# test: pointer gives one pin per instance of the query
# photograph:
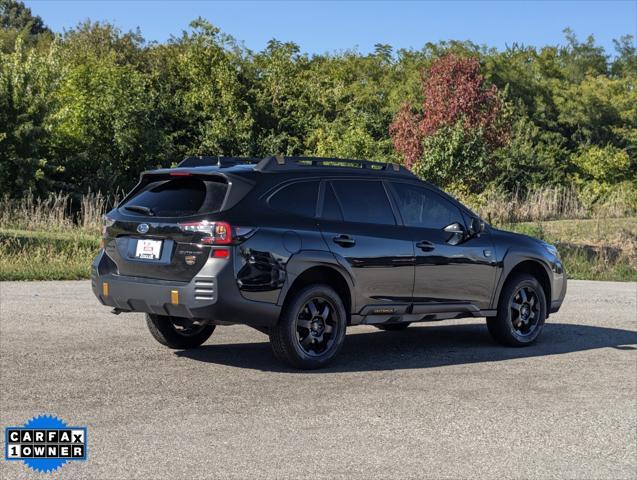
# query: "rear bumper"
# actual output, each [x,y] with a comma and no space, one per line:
[200,298]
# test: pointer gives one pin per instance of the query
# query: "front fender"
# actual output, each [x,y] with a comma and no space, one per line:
[510,260]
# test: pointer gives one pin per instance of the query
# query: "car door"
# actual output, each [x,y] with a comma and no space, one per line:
[451,268]
[359,224]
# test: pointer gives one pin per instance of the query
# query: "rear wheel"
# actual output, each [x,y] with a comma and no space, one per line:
[393,327]
[311,329]
[521,312]
[178,333]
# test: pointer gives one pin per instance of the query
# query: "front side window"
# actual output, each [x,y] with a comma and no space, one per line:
[298,198]
[364,201]
[421,207]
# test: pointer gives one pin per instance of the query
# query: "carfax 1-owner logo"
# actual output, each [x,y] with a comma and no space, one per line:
[45,443]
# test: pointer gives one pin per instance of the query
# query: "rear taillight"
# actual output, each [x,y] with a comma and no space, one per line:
[213,233]
[106,222]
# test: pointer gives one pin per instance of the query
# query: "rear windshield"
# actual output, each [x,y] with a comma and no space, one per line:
[178,198]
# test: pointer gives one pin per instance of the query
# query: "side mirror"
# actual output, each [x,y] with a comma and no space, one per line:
[456,233]
[476,227]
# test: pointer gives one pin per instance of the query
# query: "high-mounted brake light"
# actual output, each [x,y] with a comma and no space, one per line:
[180,174]
[214,233]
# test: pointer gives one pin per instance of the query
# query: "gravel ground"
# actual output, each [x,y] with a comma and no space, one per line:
[435,401]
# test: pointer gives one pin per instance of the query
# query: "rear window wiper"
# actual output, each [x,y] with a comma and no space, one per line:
[139,209]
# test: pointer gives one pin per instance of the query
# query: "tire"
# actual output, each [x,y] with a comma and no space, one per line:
[311,329]
[393,327]
[177,333]
[521,312]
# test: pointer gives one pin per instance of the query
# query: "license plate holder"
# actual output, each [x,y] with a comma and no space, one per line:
[148,249]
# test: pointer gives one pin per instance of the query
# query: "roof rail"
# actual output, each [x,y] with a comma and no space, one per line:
[281,163]
[213,161]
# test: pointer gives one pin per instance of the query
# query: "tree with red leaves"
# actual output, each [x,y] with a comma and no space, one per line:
[462,122]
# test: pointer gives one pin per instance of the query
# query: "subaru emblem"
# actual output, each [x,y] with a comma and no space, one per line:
[142,228]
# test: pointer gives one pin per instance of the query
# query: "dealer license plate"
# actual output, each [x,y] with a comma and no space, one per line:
[148,249]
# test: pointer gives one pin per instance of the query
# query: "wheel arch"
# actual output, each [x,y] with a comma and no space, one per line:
[532,267]
[307,272]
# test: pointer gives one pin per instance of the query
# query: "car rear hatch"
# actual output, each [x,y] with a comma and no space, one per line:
[171,223]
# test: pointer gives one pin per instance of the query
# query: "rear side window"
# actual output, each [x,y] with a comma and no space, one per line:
[298,199]
[364,201]
[331,208]
[423,208]
[178,198]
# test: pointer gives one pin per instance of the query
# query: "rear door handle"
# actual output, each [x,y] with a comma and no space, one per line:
[425,245]
[344,241]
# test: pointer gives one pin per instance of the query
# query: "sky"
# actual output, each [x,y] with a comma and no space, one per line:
[330,26]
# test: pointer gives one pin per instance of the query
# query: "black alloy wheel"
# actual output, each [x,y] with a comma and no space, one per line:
[311,329]
[525,311]
[315,326]
[522,310]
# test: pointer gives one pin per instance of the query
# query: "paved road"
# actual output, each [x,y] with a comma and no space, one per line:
[435,401]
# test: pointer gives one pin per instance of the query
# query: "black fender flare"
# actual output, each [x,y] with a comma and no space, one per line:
[307,259]
[512,259]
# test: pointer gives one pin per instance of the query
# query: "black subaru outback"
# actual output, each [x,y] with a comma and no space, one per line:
[302,248]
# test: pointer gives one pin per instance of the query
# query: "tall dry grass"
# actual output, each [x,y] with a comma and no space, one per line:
[56,212]
[548,203]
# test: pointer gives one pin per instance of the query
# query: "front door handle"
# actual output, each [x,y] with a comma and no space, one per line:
[344,241]
[425,245]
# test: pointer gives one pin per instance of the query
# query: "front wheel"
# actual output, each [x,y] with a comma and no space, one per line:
[311,329]
[521,312]
[178,333]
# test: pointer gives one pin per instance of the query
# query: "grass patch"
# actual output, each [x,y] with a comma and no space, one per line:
[587,231]
[592,249]
[582,264]
[37,255]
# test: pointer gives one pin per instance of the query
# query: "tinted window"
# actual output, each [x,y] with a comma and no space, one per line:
[424,208]
[331,208]
[298,198]
[179,197]
[364,201]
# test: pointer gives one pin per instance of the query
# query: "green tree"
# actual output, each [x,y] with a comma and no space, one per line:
[582,58]
[28,80]
[93,107]
[103,131]
[17,21]
[208,109]
[282,107]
